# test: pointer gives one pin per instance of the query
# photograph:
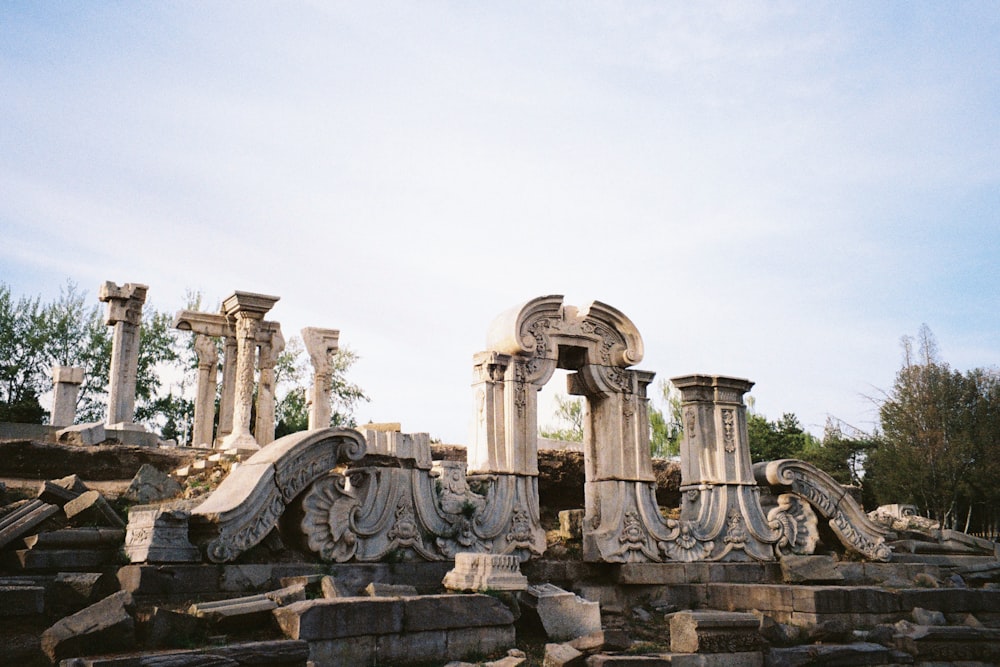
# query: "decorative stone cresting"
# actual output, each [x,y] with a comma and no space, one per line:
[847,519]
[248,503]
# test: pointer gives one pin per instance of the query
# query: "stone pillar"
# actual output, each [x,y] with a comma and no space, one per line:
[247,311]
[125,314]
[67,381]
[272,344]
[204,403]
[320,344]
[228,397]
[489,440]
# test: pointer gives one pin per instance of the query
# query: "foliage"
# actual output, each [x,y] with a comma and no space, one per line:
[23,359]
[772,440]
[841,453]
[940,435]
[292,370]
[569,417]
[666,427]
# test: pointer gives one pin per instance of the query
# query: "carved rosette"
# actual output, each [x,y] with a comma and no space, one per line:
[845,516]
[248,503]
[798,524]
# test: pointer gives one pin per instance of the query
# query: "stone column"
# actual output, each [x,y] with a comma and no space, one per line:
[204,403]
[272,344]
[67,380]
[228,397]
[125,314]
[320,344]
[247,310]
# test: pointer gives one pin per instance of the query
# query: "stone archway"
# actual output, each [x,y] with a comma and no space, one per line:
[598,345]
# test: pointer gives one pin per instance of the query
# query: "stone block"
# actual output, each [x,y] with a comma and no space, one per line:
[165,628]
[714,632]
[479,572]
[340,652]
[91,506]
[245,578]
[331,588]
[923,616]
[159,535]
[380,590]
[441,612]
[77,538]
[24,519]
[103,627]
[412,647]
[605,660]
[651,573]
[345,617]
[949,643]
[70,592]
[810,570]
[562,614]
[169,579]
[61,491]
[66,559]
[471,643]
[21,600]
[241,613]
[562,655]
[150,485]
[83,435]
[741,659]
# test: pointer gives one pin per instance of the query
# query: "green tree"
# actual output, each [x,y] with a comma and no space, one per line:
[666,426]
[841,453]
[569,419]
[772,440]
[938,434]
[23,360]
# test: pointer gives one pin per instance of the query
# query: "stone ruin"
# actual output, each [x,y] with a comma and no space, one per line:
[735,571]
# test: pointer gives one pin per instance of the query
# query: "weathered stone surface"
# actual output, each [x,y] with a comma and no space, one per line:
[150,485]
[442,612]
[845,655]
[250,577]
[949,643]
[275,653]
[605,660]
[70,592]
[21,600]
[169,579]
[92,506]
[810,570]
[345,617]
[84,435]
[65,559]
[563,615]
[21,521]
[331,588]
[77,538]
[380,590]
[61,491]
[165,628]
[923,616]
[714,632]
[562,655]
[103,627]
[247,612]
[479,572]
[571,524]
[159,535]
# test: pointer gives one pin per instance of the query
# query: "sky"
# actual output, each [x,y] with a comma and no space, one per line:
[771,190]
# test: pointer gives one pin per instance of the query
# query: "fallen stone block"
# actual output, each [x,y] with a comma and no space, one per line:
[274,653]
[103,627]
[79,560]
[24,519]
[331,588]
[151,486]
[923,616]
[379,590]
[92,506]
[443,612]
[70,592]
[77,538]
[169,580]
[82,434]
[562,655]
[346,617]
[164,628]
[714,632]
[61,491]
[562,615]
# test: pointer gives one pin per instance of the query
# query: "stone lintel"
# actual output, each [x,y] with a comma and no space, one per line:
[712,388]
[250,303]
[218,325]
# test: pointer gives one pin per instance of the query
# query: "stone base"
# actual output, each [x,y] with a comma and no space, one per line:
[480,572]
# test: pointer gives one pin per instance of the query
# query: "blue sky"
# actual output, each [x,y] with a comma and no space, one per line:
[777,191]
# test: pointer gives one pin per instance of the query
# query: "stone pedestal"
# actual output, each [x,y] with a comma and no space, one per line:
[320,344]
[481,572]
[67,381]
[125,315]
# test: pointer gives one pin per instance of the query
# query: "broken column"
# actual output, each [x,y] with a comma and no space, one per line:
[67,381]
[228,396]
[204,404]
[246,310]
[272,344]
[125,315]
[320,344]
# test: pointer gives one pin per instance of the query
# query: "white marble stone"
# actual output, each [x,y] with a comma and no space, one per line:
[66,381]
[480,572]
[125,315]
[320,344]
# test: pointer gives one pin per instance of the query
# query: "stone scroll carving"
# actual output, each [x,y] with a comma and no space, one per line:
[846,517]
[248,503]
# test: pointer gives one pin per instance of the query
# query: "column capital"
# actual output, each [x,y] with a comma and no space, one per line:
[248,304]
[124,302]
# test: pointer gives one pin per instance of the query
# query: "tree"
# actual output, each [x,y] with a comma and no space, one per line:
[841,453]
[939,435]
[23,338]
[782,439]
[569,418]
[666,427]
